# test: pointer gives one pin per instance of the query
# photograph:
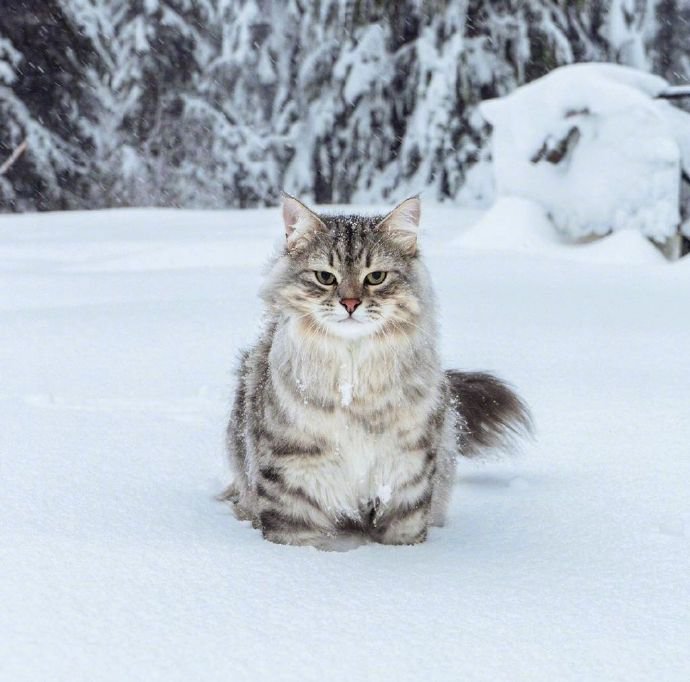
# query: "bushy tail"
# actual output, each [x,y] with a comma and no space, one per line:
[490,413]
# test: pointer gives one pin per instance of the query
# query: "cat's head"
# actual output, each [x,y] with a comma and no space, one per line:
[350,276]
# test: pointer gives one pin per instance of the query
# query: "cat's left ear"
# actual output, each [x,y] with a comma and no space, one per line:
[299,220]
[402,223]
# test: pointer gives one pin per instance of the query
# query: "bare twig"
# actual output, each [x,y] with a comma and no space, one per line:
[13,157]
[555,150]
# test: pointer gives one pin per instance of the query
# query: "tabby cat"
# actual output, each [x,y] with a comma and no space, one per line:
[345,428]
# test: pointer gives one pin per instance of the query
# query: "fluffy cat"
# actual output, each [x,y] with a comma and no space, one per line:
[345,428]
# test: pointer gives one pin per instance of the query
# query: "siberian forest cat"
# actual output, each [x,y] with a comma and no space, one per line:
[345,428]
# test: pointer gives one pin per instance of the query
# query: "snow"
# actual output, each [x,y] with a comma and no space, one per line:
[522,226]
[361,68]
[623,167]
[9,60]
[625,32]
[118,334]
[346,389]
[384,494]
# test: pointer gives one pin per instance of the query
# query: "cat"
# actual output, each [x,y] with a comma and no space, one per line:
[345,429]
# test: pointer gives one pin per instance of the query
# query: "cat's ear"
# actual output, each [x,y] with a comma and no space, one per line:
[299,220]
[402,223]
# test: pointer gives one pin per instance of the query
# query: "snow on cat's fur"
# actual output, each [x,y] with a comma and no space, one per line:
[345,427]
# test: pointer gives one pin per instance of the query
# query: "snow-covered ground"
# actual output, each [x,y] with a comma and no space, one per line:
[118,332]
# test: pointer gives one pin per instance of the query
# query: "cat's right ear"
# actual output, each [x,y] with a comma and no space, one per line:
[299,220]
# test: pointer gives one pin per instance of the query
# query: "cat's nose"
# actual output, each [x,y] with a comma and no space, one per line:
[350,304]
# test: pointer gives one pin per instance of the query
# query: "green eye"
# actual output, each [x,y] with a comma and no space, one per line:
[376,277]
[325,278]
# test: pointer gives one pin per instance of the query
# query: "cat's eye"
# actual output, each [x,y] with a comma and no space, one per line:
[375,277]
[325,278]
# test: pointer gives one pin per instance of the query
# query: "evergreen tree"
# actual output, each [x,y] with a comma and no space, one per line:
[224,102]
[42,59]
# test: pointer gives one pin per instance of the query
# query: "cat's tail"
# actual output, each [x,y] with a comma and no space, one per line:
[490,414]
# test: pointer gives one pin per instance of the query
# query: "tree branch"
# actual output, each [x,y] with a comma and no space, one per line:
[13,157]
[675,92]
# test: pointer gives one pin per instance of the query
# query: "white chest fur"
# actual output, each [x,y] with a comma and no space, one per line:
[359,465]
[358,469]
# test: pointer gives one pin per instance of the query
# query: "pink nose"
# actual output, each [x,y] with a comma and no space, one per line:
[350,304]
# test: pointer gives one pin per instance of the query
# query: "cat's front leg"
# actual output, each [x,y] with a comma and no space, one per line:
[406,523]
[281,527]
[320,539]
[289,516]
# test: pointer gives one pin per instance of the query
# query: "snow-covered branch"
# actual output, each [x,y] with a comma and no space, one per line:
[675,92]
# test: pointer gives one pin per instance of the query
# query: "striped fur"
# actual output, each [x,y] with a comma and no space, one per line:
[346,430]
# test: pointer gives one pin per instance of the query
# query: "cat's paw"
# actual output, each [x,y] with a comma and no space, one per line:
[403,538]
[408,530]
[326,542]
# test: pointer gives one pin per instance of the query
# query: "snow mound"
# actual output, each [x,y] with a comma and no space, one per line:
[512,224]
[625,246]
[522,226]
[589,144]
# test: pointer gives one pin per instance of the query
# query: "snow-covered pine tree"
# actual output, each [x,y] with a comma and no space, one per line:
[41,60]
[150,52]
[391,107]
[234,148]
[11,133]
[224,102]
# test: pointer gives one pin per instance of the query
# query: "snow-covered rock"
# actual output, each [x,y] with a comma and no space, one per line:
[590,144]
